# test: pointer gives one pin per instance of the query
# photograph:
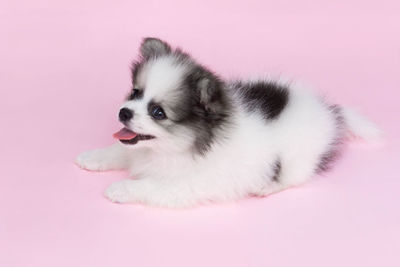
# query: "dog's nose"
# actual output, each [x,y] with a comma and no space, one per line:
[125,114]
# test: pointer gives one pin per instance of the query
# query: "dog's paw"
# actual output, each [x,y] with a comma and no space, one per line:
[92,161]
[119,191]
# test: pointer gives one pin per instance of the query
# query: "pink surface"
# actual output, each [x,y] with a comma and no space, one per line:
[65,69]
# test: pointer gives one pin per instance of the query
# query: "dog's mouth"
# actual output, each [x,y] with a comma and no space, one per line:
[129,137]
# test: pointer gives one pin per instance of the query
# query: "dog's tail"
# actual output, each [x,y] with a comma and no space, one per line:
[360,127]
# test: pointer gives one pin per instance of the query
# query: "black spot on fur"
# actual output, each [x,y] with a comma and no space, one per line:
[277,170]
[271,98]
[135,94]
[327,158]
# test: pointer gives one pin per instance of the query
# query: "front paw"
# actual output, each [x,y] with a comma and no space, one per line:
[91,160]
[119,191]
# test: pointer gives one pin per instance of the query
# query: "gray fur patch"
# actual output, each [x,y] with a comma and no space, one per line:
[277,170]
[327,158]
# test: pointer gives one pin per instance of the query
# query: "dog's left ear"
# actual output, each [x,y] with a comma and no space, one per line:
[208,89]
[154,47]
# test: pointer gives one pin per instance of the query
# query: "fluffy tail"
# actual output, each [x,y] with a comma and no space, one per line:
[360,127]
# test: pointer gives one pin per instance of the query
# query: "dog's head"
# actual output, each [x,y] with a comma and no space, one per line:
[175,104]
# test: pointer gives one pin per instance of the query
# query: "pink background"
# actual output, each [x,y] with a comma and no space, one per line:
[65,69]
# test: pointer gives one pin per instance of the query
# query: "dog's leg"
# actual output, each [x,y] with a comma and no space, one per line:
[115,157]
[153,192]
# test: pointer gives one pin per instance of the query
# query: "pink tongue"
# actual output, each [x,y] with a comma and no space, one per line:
[124,134]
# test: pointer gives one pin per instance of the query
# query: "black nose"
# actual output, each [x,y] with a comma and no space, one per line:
[125,114]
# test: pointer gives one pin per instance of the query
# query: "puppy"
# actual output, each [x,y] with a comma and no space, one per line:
[190,137]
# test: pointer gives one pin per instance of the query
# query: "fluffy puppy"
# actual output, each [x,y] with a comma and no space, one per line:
[190,137]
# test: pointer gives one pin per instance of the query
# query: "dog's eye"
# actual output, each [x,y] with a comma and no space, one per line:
[158,113]
[135,94]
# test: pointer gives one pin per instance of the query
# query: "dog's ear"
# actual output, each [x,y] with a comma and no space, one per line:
[208,89]
[153,47]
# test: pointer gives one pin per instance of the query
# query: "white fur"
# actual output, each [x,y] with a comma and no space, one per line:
[360,127]
[168,174]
